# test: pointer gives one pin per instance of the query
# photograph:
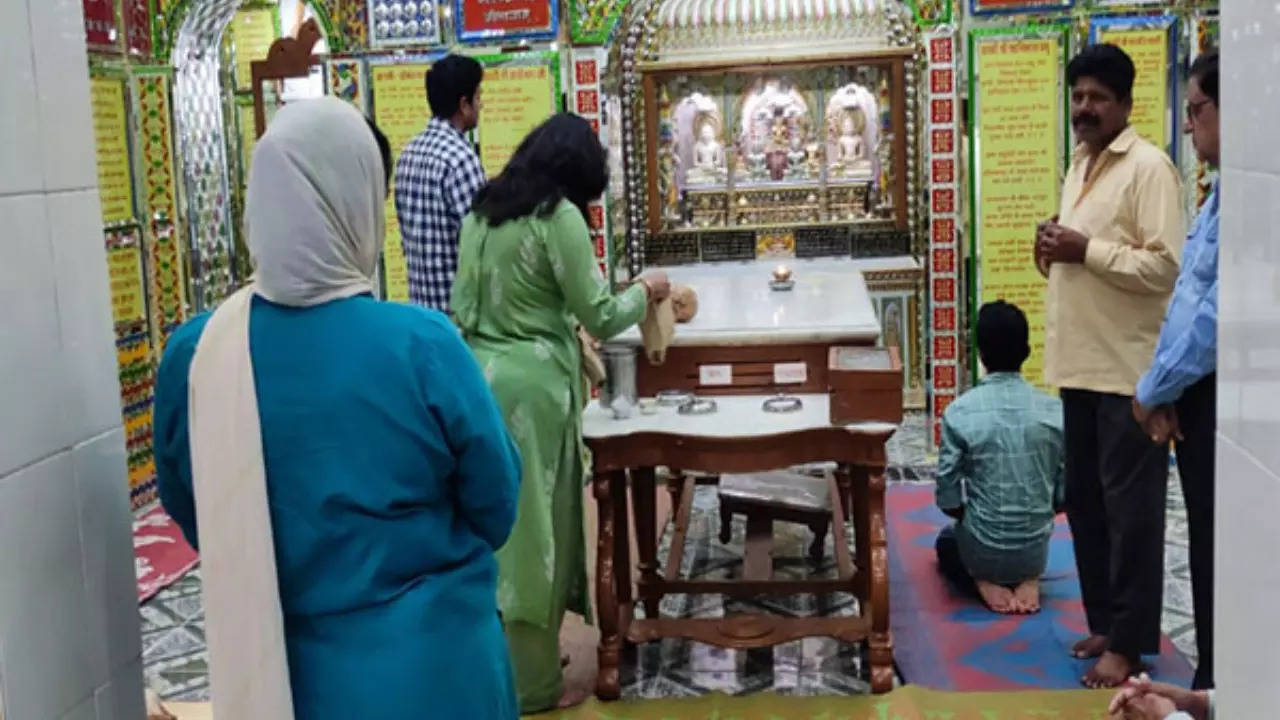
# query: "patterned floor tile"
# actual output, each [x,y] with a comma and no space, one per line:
[180,642]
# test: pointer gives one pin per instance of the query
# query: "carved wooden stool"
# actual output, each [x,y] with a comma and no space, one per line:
[787,496]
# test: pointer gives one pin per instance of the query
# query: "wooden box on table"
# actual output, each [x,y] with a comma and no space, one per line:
[865,384]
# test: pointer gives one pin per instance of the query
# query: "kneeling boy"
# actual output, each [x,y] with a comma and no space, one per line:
[1000,472]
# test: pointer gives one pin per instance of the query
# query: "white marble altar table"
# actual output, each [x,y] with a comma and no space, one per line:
[829,302]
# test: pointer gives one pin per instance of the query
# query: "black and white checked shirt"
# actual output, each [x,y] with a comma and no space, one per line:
[437,177]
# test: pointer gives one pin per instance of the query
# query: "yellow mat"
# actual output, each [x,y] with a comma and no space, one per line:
[908,703]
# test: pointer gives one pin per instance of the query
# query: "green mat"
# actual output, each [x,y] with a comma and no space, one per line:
[907,703]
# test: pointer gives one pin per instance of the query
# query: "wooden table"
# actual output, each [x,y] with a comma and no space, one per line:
[749,339]
[739,437]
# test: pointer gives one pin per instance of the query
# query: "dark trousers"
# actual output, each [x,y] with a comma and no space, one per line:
[950,564]
[1198,419]
[1116,481]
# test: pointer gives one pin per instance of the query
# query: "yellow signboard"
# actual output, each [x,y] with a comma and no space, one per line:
[124,270]
[253,32]
[400,109]
[516,99]
[110,132]
[248,138]
[1149,49]
[1019,111]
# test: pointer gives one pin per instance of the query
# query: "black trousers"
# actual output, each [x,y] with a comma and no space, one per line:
[1198,419]
[951,565]
[1116,482]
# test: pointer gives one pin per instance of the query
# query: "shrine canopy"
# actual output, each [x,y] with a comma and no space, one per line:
[768,30]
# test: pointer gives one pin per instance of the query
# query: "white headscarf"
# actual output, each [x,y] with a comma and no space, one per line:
[315,223]
[314,213]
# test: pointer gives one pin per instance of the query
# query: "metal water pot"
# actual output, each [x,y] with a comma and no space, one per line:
[619,374]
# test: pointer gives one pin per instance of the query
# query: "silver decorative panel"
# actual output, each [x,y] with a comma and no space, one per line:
[201,133]
[403,22]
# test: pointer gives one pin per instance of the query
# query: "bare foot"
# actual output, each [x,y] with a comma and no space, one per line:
[1111,671]
[1090,647]
[997,597]
[572,697]
[1027,596]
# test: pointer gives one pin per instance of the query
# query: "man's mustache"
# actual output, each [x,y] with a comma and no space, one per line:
[1086,119]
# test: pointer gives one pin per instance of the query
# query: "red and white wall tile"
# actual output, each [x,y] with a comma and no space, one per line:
[946,289]
[588,64]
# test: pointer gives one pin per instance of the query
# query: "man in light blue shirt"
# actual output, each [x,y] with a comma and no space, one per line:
[1000,472]
[1177,397]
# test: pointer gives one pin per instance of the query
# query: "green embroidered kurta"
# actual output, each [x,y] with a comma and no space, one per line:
[521,291]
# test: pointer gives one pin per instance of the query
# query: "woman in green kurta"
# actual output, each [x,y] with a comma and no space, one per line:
[527,277]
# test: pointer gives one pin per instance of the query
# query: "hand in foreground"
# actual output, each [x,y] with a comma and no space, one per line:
[1140,413]
[657,283]
[1163,425]
[587,338]
[1058,244]
[1141,699]
[1160,424]
[1145,707]
[1042,262]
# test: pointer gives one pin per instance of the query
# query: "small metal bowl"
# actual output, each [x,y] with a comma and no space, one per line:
[783,404]
[674,398]
[698,406]
[781,285]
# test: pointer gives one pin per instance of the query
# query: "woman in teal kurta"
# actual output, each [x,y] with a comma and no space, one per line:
[527,277]
[391,481]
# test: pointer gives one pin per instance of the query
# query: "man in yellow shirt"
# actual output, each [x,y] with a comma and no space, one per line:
[1111,257]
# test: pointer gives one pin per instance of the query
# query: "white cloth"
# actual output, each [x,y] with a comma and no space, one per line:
[314,218]
[315,213]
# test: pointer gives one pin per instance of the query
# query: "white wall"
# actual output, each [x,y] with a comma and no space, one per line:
[69,639]
[1248,472]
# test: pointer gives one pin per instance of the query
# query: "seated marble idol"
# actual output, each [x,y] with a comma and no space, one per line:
[851,145]
[1000,473]
[708,157]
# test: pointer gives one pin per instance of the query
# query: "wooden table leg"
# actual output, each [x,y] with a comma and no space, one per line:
[853,485]
[608,536]
[675,483]
[881,644]
[622,541]
[757,563]
[643,501]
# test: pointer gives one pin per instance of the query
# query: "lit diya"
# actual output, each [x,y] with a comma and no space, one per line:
[782,279]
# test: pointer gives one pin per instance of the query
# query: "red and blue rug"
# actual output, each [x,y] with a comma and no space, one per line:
[161,555]
[947,641]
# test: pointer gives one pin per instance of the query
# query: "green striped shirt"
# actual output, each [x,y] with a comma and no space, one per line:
[1001,460]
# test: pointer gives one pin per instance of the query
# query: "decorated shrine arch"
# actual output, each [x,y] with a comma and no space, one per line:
[191,36]
[171,19]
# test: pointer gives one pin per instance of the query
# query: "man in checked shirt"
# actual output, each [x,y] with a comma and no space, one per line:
[437,177]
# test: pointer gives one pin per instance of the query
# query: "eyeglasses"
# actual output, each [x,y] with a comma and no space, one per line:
[1193,108]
